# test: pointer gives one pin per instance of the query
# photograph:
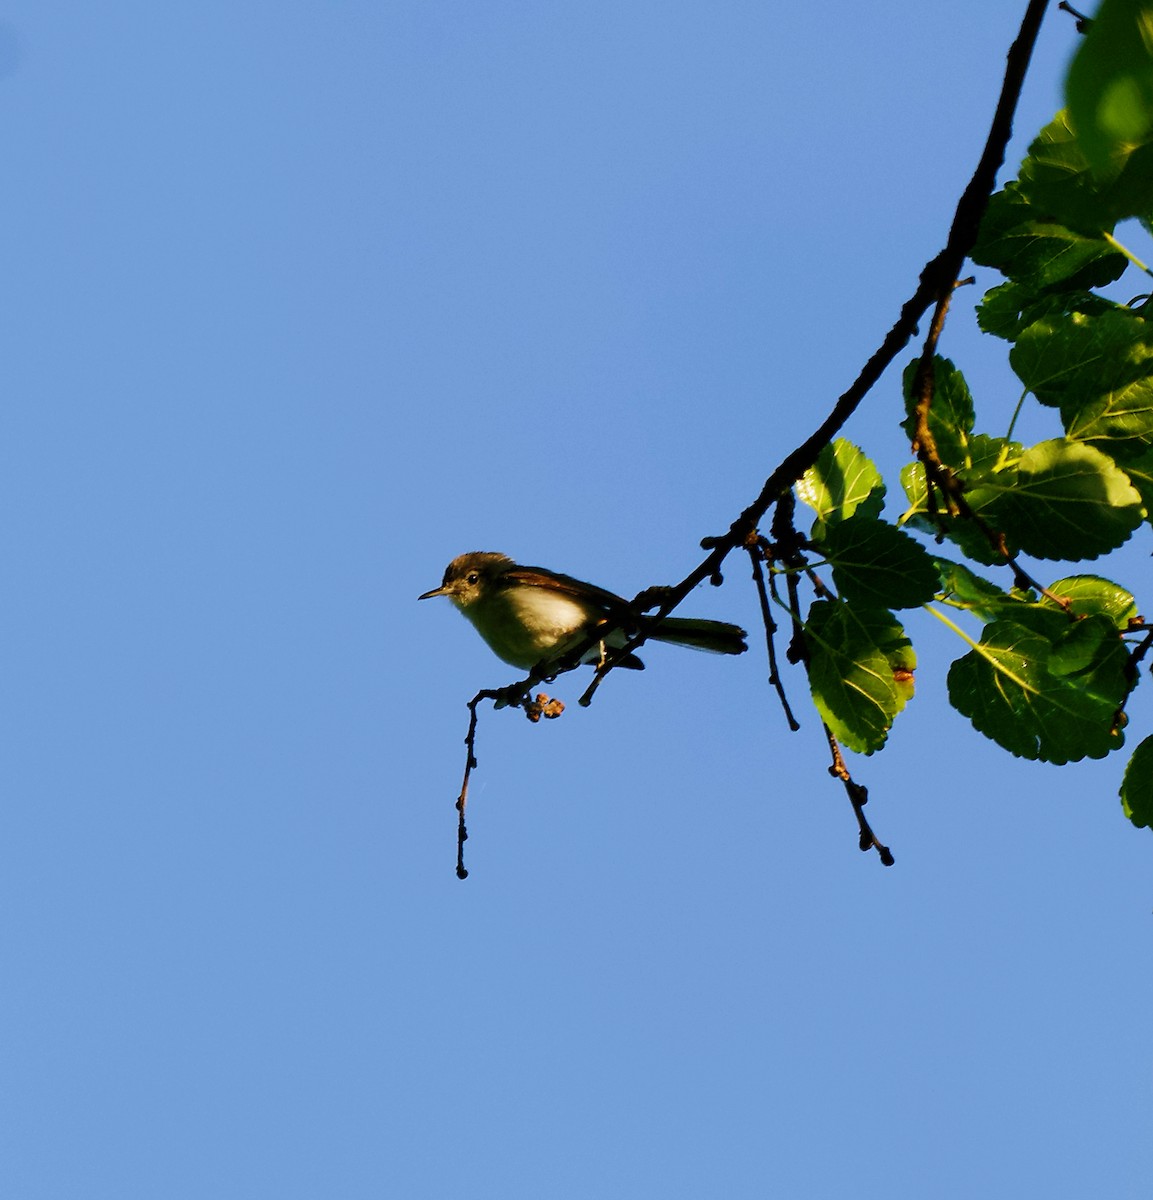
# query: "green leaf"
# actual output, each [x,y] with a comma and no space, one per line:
[1049,690]
[1120,422]
[1099,369]
[989,470]
[1090,595]
[988,457]
[962,588]
[1066,358]
[1109,88]
[950,414]
[962,532]
[1005,310]
[860,671]
[1137,786]
[1140,472]
[1064,500]
[877,565]
[1010,308]
[1027,245]
[1057,181]
[840,482]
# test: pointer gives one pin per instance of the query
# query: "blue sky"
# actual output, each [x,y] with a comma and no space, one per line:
[304,300]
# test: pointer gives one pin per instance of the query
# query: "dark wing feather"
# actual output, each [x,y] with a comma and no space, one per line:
[611,604]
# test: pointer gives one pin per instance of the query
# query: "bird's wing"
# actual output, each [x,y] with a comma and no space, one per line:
[612,604]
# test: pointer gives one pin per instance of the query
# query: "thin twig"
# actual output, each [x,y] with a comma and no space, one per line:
[756,551]
[497,695]
[1081,21]
[514,696]
[462,799]
[858,796]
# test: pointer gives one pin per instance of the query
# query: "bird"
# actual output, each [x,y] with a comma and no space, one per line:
[531,616]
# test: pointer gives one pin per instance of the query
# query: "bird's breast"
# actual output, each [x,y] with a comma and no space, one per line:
[525,625]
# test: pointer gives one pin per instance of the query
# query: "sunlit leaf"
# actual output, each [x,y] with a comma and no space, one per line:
[986,475]
[1140,473]
[950,413]
[1064,501]
[964,589]
[1090,595]
[1049,689]
[963,532]
[1120,422]
[1070,358]
[877,565]
[860,671]
[842,481]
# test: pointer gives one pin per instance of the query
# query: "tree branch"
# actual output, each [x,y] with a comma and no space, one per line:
[935,283]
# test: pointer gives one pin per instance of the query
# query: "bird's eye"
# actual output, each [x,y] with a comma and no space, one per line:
[473,577]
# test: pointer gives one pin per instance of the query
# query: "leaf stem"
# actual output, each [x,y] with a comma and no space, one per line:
[1016,414]
[951,624]
[1122,249]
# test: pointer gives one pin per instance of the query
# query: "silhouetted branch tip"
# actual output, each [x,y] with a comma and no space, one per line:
[1081,22]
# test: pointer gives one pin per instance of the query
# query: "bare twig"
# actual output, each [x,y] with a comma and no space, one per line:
[858,796]
[756,549]
[462,799]
[1081,21]
[513,696]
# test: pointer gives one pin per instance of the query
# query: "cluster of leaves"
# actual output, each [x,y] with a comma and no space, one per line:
[1050,674]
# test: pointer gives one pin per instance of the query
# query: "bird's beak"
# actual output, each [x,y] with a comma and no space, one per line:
[440,591]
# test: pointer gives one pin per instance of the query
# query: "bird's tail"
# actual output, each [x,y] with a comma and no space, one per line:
[717,637]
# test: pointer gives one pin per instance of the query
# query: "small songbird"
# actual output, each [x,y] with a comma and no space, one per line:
[530,616]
